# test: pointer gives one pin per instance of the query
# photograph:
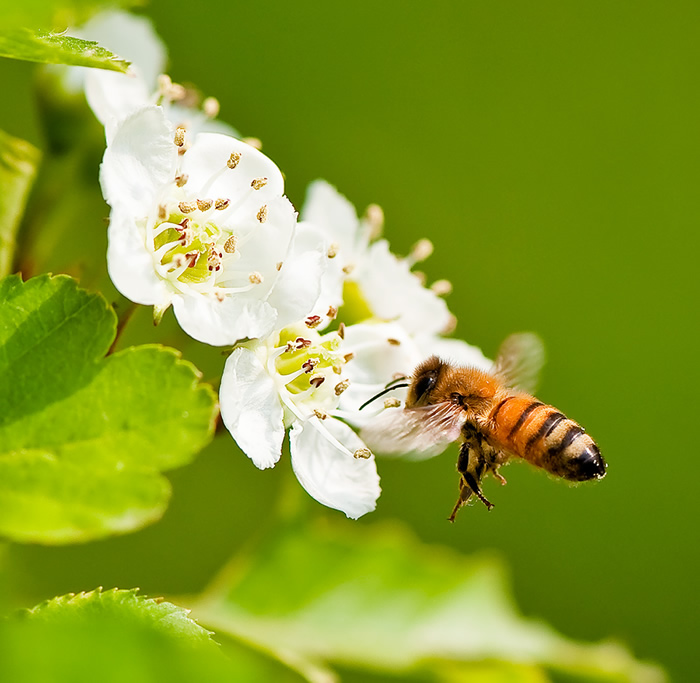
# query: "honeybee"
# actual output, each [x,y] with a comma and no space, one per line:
[492,414]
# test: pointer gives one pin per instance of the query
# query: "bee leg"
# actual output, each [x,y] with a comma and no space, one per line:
[498,475]
[471,464]
[465,494]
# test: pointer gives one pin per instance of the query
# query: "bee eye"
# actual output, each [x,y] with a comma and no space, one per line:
[424,384]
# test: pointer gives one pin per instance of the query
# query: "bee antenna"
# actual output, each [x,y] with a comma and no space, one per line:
[384,391]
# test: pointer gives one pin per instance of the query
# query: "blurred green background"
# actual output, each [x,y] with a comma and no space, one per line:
[550,151]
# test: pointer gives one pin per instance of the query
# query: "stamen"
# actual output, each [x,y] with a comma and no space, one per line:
[363,453]
[262,214]
[441,287]
[420,276]
[214,258]
[187,207]
[349,268]
[204,204]
[309,365]
[375,219]
[211,107]
[162,212]
[313,321]
[258,183]
[278,266]
[332,312]
[255,277]
[162,251]
[394,342]
[179,136]
[192,257]
[451,325]
[422,249]
[349,356]
[392,403]
[221,203]
[320,414]
[219,296]
[256,143]
[298,344]
[341,387]
[333,250]
[230,245]
[317,381]
[181,179]
[341,330]
[233,160]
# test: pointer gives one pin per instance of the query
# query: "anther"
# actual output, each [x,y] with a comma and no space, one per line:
[317,381]
[230,245]
[348,357]
[258,183]
[441,287]
[392,403]
[220,204]
[179,136]
[394,342]
[181,179]
[162,212]
[451,325]
[262,214]
[320,414]
[192,257]
[333,250]
[313,321]
[210,107]
[420,276]
[256,143]
[309,365]
[302,343]
[233,160]
[204,204]
[255,278]
[332,312]
[278,266]
[422,249]
[375,218]
[363,453]
[219,296]
[349,268]
[341,387]
[187,207]
[341,330]
[337,369]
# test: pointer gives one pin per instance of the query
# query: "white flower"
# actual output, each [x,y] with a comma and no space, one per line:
[113,96]
[294,378]
[364,276]
[203,225]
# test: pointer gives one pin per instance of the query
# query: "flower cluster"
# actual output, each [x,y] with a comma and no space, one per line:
[320,314]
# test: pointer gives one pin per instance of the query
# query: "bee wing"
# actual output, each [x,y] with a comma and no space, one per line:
[418,432]
[520,360]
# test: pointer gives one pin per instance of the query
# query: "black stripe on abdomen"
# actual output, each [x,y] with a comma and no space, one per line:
[546,428]
[523,416]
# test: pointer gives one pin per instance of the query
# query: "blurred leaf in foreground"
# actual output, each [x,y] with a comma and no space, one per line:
[379,600]
[83,439]
[57,48]
[116,636]
[18,164]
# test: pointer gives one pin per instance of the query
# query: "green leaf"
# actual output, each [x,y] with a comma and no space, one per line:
[378,599]
[83,439]
[56,48]
[115,636]
[18,165]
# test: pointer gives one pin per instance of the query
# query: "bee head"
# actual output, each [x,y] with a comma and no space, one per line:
[425,378]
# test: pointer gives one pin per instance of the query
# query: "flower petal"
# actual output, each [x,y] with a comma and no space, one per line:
[299,283]
[330,475]
[140,160]
[221,323]
[130,264]
[393,292]
[205,163]
[251,408]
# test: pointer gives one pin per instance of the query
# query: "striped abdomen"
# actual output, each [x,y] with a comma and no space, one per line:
[540,434]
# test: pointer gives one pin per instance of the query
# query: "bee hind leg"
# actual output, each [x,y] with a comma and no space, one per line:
[471,465]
